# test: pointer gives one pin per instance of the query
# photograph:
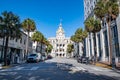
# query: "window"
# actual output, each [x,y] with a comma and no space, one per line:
[60,45]
[24,41]
[67,41]
[90,47]
[34,47]
[11,38]
[117,49]
[21,40]
[16,40]
[56,40]
[115,41]
[106,43]
[99,45]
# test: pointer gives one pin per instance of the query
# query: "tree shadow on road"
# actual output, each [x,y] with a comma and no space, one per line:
[55,71]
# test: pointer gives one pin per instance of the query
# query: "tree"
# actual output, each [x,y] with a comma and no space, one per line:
[38,36]
[42,38]
[49,48]
[28,26]
[110,10]
[79,36]
[9,28]
[46,42]
[93,25]
[70,49]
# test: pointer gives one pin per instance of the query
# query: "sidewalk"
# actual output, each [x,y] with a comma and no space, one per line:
[105,65]
[11,65]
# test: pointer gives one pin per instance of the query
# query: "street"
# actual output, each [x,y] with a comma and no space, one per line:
[58,69]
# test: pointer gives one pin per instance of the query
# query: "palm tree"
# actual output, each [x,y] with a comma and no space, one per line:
[46,42]
[100,9]
[38,36]
[28,26]
[94,26]
[79,36]
[49,48]
[70,49]
[10,28]
[110,10]
[42,39]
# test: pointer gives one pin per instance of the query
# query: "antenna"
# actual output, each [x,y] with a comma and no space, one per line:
[60,21]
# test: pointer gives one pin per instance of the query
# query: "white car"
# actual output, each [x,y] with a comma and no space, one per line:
[33,57]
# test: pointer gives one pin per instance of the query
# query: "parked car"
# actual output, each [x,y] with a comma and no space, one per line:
[83,59]
[33,58]
[49,57]
[79,59]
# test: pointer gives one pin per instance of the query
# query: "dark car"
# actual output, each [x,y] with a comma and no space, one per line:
[49,57]
[83,59]
[79,59]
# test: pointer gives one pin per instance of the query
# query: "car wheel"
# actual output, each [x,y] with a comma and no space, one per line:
[37,61]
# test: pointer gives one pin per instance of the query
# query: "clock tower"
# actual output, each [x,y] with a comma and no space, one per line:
[60,32]
[59,43]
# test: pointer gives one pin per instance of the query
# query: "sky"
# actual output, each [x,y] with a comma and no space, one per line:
[48,13]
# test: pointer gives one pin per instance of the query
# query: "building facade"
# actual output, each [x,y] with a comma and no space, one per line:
[102,38]
[59,43]
[16,48]
[38,47]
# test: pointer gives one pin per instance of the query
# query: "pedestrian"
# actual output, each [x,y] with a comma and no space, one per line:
[16,58]
[93,60]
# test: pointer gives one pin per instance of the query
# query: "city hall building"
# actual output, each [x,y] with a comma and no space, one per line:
[59,43]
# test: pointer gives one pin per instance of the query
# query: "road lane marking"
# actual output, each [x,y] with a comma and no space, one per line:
[96,69]
[34,68]
[32,78]
[19,68]
[81,68]
[18,77]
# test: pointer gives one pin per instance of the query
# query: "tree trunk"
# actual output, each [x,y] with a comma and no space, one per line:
[41,51]
[41,48]
[110,42]
[27,43]
[2,48]
[83,48]
[5,51]
[77,49]
[95,48]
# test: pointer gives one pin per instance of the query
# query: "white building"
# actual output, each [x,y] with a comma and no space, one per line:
[59,43]
[16,48]
[78,49]
[37,47]
[102,38]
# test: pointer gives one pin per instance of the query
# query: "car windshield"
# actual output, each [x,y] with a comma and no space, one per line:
[33,55]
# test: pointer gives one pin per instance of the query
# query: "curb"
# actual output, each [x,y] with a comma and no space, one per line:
[11,65]
[0,66]
[103,65]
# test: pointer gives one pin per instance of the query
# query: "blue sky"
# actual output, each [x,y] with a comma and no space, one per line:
[47,14]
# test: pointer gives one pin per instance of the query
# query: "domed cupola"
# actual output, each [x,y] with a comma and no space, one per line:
[60,32]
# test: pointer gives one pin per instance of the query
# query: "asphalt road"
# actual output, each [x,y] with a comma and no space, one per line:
[58,69]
